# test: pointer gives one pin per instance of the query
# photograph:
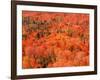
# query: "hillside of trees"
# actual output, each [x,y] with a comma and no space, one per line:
[52,39]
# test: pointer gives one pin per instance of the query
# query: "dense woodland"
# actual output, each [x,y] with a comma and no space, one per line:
[54,39]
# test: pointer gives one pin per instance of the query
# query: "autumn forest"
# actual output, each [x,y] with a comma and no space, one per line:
[54,39]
